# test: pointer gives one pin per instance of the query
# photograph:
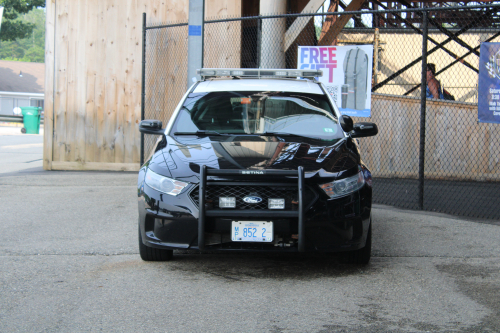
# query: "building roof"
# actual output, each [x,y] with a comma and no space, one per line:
[32,80]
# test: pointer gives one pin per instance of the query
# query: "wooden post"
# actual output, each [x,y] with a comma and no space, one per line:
[339,24]
[376,39]
[49,84]
[301,22]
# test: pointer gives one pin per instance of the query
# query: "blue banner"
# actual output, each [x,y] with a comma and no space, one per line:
[489,83]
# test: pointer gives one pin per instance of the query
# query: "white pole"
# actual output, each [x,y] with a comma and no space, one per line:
[273,34]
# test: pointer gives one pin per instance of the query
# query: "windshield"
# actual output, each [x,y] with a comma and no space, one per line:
[237,112]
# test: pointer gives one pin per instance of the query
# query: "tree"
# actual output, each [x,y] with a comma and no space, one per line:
[31,48]
[12,27]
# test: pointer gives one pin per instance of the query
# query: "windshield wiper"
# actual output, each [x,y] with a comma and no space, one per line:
[286,134]
[200,133]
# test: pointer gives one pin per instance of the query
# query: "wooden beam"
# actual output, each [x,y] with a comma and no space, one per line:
[410,25]
[331,35]
[80,110]
[357,20]
[300,23]
[330,19]
[444,30]
[446,1]
[50,8]
[61,81]
[434,49]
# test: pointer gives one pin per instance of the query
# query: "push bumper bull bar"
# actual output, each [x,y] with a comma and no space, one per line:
[203,212]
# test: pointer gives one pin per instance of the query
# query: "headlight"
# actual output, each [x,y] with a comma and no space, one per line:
[342,187]
[164,184]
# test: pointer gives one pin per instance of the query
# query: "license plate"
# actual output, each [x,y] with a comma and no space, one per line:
[252,231]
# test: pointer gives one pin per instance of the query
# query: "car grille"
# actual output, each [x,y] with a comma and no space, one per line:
[289,193]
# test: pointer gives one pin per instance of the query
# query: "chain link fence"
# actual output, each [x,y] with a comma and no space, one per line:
[164,74]
[431,153]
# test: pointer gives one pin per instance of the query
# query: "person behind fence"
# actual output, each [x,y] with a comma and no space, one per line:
[434,89]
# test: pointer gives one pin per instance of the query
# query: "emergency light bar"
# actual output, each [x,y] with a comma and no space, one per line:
[257,72]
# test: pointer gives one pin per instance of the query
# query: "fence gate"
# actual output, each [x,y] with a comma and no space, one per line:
[164,71]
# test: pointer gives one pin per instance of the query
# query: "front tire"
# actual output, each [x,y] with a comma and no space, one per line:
[361,256]
[152,254]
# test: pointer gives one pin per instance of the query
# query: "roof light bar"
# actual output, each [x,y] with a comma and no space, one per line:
[257,72]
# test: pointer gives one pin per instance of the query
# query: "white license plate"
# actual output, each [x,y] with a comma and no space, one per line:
[252,231]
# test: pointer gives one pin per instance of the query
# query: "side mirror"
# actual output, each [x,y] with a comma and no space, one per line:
[362,130]
[346,123]
[151,127]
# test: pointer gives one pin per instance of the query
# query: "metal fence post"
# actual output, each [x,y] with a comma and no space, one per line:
[423,87]
[143,84]
[195,40]
[259,40]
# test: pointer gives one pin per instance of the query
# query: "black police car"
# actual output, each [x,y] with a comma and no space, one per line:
[255,160]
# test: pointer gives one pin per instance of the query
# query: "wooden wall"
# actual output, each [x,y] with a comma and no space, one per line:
[93,78]
[222,46]
[457,147]
[93,96]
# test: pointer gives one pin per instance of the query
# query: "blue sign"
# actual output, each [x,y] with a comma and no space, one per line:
[194,30]
[489,83]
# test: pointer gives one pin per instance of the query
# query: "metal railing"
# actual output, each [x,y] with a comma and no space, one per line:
[14,119]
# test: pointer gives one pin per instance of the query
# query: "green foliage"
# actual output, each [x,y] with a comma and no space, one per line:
[13,27]
[31,48]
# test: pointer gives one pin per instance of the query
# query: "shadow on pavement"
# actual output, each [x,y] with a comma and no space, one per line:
[242,266]
[472,199]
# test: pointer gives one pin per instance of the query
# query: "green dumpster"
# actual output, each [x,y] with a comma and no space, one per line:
[31,119]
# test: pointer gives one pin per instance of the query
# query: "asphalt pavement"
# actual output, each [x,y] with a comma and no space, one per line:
[69,263]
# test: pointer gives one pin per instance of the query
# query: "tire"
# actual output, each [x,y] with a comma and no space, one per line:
[23,130]
[152,254]
[361,256]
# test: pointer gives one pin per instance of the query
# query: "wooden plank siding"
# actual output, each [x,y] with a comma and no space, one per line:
[93,93]
[60,98]
[93,77]
[222,45]
[50,8]
[457,147]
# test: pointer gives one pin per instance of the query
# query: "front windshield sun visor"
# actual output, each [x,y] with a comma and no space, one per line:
[258,113]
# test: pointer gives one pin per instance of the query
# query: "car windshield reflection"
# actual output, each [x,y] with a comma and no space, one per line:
[307,115]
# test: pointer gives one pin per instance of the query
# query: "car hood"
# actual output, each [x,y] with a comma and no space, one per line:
[184,155]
